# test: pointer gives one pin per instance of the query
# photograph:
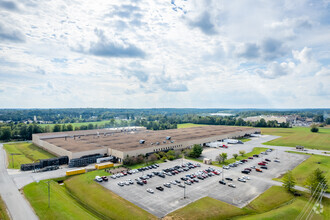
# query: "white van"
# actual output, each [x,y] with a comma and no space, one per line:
[98,179]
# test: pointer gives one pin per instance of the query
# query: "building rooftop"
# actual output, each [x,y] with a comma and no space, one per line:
[130,140]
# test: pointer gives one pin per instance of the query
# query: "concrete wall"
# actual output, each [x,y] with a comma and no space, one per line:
[53,149]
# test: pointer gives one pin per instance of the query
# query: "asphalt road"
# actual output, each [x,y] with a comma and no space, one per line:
[17,206]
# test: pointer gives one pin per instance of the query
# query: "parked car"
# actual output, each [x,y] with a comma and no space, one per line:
[268,160]
[228,178]
[168,185]
[246,177]
[98,179]
[140,183]
[241,180]
[226,167]
[255,155]
[231,185]
[182,185]
[222,182]
[104,178]
[249,169]
[264,167]
[278,161]
[251,158]
[160,188]
[113,176]
[258,170]
[120,184]
[150,191]
[177,181]
[261,164]
[245,171]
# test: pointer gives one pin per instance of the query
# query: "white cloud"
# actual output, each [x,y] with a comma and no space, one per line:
[178,53]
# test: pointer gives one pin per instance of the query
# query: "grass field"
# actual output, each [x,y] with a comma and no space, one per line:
[3,211]
[106,203]
[306,168]
[137,166]
[28,153]
[244,139]
[81,123]
[62,205]
[299,136]
[274,203]
[190,125]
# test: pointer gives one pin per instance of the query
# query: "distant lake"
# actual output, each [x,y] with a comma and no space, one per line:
[221,114]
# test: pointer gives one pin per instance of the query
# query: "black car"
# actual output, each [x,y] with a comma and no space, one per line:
[230,179]
[264,167]
[222,182]
[160,188]
[184,178]
[140,183]
[161,175]
[268,160]
[256,155]
[245,171]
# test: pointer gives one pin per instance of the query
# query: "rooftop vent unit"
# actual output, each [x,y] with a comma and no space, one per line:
[157,143]
[168,138]
[172,141]
[164,142]
[142,141]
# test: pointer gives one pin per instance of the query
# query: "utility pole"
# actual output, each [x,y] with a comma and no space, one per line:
[12,158]
[222,174]
[48,194]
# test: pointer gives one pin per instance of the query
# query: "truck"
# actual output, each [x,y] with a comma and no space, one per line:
[103,165]
[75,171]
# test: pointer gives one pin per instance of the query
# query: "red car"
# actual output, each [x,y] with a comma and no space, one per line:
[261,164]
[264,162]
[144,181]
[104,178]
[225,146]
[258,170]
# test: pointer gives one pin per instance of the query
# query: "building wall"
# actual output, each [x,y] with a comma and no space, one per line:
[89,152]
[53,149]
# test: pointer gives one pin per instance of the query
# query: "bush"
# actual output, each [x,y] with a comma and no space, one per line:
[164,159]
[314,128]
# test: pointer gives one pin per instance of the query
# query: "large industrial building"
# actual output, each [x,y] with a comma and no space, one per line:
[133,141]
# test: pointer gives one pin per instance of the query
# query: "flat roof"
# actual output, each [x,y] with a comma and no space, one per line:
[129,141]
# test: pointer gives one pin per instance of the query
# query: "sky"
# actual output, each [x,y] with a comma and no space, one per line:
[165,54]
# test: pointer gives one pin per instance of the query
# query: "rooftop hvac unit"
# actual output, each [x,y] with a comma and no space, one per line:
[142,141]
[164,142]
[157,143]
[168,138]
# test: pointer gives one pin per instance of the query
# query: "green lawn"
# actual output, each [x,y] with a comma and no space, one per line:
[207,208]
[105,202]
[81,123]
[299,136]
[137,166]
[243,139]
[28,153]
[274,203]
[190,125]
[3,211]
[306,168]
[62,205]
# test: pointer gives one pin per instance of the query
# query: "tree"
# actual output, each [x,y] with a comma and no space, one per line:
[314,128]
[241,152]
[153,157]
[5,133]
[57,128]
[69,127]
[196,151]
[289,181]
[223,157]
[315,181]
[235,156]
[90,126]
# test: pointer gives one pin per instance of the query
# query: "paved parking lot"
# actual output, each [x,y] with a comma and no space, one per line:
[163,202]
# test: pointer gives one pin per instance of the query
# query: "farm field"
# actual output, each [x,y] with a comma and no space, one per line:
[306,168]
[292,137]
[28,153]
[274,203]
[3,211]
[189,125]
[99,123]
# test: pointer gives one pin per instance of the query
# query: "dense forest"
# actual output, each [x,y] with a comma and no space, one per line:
[19,124]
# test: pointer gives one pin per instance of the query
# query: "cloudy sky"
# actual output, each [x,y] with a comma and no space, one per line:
[165,53]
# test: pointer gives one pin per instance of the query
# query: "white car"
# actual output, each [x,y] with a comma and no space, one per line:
[241,180]
[113,176]
[278,161]
[231,185]
[246,177]
[226,167]
[150,191]
[98,179]
[173,182]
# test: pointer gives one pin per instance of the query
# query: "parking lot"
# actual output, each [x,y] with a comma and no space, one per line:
[160,203]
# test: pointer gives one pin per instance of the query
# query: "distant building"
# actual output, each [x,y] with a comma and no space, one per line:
[35,118]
